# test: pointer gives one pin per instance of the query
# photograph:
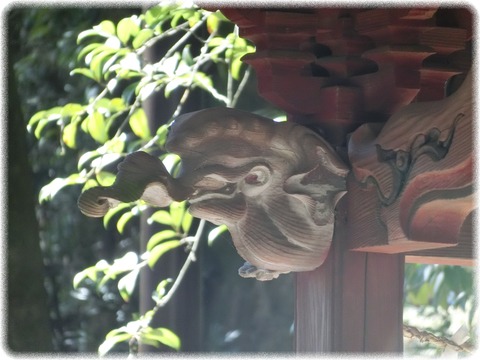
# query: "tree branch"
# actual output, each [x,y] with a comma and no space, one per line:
[412,332]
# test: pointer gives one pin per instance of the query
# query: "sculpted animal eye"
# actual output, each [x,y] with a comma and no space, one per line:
[252,179]
[259,175]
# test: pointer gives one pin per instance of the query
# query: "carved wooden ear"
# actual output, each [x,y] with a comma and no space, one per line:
[140,176]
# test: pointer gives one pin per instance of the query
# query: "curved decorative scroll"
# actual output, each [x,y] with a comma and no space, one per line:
[421,166]
[275,186]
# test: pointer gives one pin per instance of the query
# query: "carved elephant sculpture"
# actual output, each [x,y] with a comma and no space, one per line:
[275,186]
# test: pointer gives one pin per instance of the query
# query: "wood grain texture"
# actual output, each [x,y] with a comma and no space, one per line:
[352,303]
[420,165]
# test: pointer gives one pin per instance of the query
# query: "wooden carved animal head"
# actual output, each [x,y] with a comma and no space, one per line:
[275,186]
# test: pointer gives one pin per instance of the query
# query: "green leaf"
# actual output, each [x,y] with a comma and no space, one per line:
[161,134]
[139,124]
[177,209]
[158,13]
[111,212]
[129,92]
[105,178]
[83,71]
[126,29]
[161,217]
[161,249]
[89,155]
[96,127]
[105,28]
[87,49]
[124,219]
[236,68]
[43,118]
[50,190]
[159,237]
[111,341]
[187,55]
[162,335]
[212,22]
[69,135]
[215,233]
[186,222]
[90,273]
[127,262]
[205,82]
[72,109]
[36,118]
[161,289]
[126,284]
[98,62]
[143,36]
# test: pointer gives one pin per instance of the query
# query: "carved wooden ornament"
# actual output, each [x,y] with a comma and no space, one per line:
[275,186]
[420,166]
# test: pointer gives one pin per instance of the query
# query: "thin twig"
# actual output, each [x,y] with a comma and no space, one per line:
[167,33]
[191,258]
[185,37]
[412,332]
[241,86]
[195,68]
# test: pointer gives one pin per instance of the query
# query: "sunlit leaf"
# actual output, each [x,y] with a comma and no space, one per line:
[90,273]
[162,335]
[215,233]
[161,249]
[139,124]
[161,289]
[177,209]
[186,221]
[89,155]
[36,118]
[174,84]
[236,68]
[72,109]
[126,29]
[142,37]
[96,127]
[69,135]
[161,217]
[87,49]
[161,134]
[113,211]
[106,27]
[111,341]
[159,237]
[98,62]
[105,178]
[127,262]
[212,22]
[83,71]
[126,284]
[84,34]
[122,222]
[50,190]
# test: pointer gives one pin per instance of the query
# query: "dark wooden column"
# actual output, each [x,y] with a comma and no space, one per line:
[335,70]
[352,303]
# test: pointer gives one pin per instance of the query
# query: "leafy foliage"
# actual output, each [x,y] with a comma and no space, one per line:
[440,299]
[112,123]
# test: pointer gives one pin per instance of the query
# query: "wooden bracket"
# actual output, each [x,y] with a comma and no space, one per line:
[415,176]
[275,186]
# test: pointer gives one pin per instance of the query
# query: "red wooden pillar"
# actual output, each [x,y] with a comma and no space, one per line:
[336,69]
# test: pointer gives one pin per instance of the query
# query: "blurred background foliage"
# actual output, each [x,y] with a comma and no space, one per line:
[233,314]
